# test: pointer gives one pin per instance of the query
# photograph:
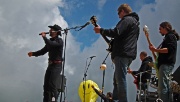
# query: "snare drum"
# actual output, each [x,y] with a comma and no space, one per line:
[154,82]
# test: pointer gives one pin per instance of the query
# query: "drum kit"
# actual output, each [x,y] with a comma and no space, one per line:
[152,96]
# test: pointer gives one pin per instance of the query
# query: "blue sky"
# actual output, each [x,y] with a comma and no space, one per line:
[105,10]
[23,20]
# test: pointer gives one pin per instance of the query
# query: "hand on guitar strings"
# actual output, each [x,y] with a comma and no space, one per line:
[152,48]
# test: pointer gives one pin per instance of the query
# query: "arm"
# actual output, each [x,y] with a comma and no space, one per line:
[40,52]
[162,50]
[56,43]
[99,93]
[117,31]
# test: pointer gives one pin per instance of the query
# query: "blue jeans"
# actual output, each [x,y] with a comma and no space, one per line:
[120,85]
[164,90]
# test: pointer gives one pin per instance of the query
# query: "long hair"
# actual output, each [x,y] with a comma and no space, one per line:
[168,27]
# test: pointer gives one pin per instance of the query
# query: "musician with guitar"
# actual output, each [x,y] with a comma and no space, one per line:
[145,69]
[124,47]
[143,74]
[166,59]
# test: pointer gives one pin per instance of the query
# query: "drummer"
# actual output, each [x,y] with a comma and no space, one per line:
[145,69]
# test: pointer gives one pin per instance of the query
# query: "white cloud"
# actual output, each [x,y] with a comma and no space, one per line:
[22,20]
[101,4]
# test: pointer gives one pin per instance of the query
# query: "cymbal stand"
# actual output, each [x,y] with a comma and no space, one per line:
[140,83]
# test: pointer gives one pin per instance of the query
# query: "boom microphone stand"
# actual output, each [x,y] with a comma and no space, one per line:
[65,33]
[103,67]
[85,74]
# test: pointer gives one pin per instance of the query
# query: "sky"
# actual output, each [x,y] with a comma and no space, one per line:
[21,77]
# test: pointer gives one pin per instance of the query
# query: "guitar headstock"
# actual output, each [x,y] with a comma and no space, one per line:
[93,20]
[146,30]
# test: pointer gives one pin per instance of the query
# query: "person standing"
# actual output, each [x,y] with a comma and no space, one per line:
[166,59]
[124,48]
[54,47]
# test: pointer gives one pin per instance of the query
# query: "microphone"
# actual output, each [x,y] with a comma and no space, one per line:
[92,57]
[84,25]
[49,32]
[45,33]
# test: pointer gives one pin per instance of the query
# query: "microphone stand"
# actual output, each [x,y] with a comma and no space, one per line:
[84,79]
[64,53]
[104,74]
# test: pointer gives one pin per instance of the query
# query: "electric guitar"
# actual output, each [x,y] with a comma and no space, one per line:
[135,79]
[154,65]
[93,20]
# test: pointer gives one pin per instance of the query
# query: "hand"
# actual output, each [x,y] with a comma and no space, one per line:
[92,86]
[97,29]
[43,34]
[30,54]
[129,71]
[152,48]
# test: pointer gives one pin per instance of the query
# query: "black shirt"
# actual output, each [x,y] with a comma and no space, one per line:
[144,67]
[54,46]
[169,42]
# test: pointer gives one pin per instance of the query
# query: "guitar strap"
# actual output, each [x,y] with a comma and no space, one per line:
[160,44]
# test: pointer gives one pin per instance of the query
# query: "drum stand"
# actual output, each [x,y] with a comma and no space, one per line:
[140,88]
[140,91]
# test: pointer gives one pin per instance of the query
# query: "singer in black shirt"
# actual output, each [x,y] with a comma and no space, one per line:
[54,47]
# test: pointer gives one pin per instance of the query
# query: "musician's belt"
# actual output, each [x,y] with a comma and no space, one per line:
[55,62]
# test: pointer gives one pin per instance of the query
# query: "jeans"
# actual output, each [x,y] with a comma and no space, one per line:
[164,90]
[51,81]
[120,85]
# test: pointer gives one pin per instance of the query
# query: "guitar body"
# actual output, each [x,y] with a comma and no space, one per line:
[135,81]
[110,45]
[154,65]
[93,20]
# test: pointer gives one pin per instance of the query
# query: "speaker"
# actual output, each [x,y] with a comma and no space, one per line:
[61,83]
[176,75]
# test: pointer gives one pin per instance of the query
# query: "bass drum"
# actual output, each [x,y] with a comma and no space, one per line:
[154,82]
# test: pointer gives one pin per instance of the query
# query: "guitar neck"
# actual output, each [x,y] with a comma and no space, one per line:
[105,38]
[133,76]
[149,42]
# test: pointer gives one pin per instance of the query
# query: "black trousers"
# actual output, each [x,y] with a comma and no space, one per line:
[51,80]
